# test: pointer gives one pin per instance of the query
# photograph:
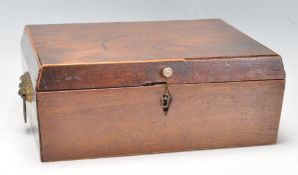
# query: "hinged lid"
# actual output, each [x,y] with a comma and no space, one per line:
[121,54]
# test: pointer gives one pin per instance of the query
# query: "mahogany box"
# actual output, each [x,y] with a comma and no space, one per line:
[126,88]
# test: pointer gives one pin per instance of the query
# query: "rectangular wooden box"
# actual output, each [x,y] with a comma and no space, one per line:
[125,88]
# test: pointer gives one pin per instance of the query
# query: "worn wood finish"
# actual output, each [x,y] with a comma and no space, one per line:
[137,74]
[124,121]
[93,98]
[141,41]
[85,56]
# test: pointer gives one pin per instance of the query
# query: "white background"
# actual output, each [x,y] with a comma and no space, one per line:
[271,22]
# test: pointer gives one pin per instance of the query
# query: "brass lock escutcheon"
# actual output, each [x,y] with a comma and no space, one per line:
[26,91]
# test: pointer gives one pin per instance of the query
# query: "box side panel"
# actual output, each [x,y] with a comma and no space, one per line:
[30,64]
[30,57]
[127,121]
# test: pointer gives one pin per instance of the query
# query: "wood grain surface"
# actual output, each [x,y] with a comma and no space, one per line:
[125,54]
[98,87]
[140,41]
[126,121]
[137,74]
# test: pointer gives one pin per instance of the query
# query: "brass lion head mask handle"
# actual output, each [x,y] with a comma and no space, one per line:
[26,91]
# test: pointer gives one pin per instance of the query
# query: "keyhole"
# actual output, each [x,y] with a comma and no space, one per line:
[165,101]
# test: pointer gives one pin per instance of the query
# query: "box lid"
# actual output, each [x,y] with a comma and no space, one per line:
[121,54]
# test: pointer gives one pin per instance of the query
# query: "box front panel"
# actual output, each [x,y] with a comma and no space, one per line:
[125,121]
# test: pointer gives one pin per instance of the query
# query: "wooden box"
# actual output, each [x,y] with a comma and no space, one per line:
[126,88]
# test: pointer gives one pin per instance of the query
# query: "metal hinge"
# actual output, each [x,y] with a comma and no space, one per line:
[26,91]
